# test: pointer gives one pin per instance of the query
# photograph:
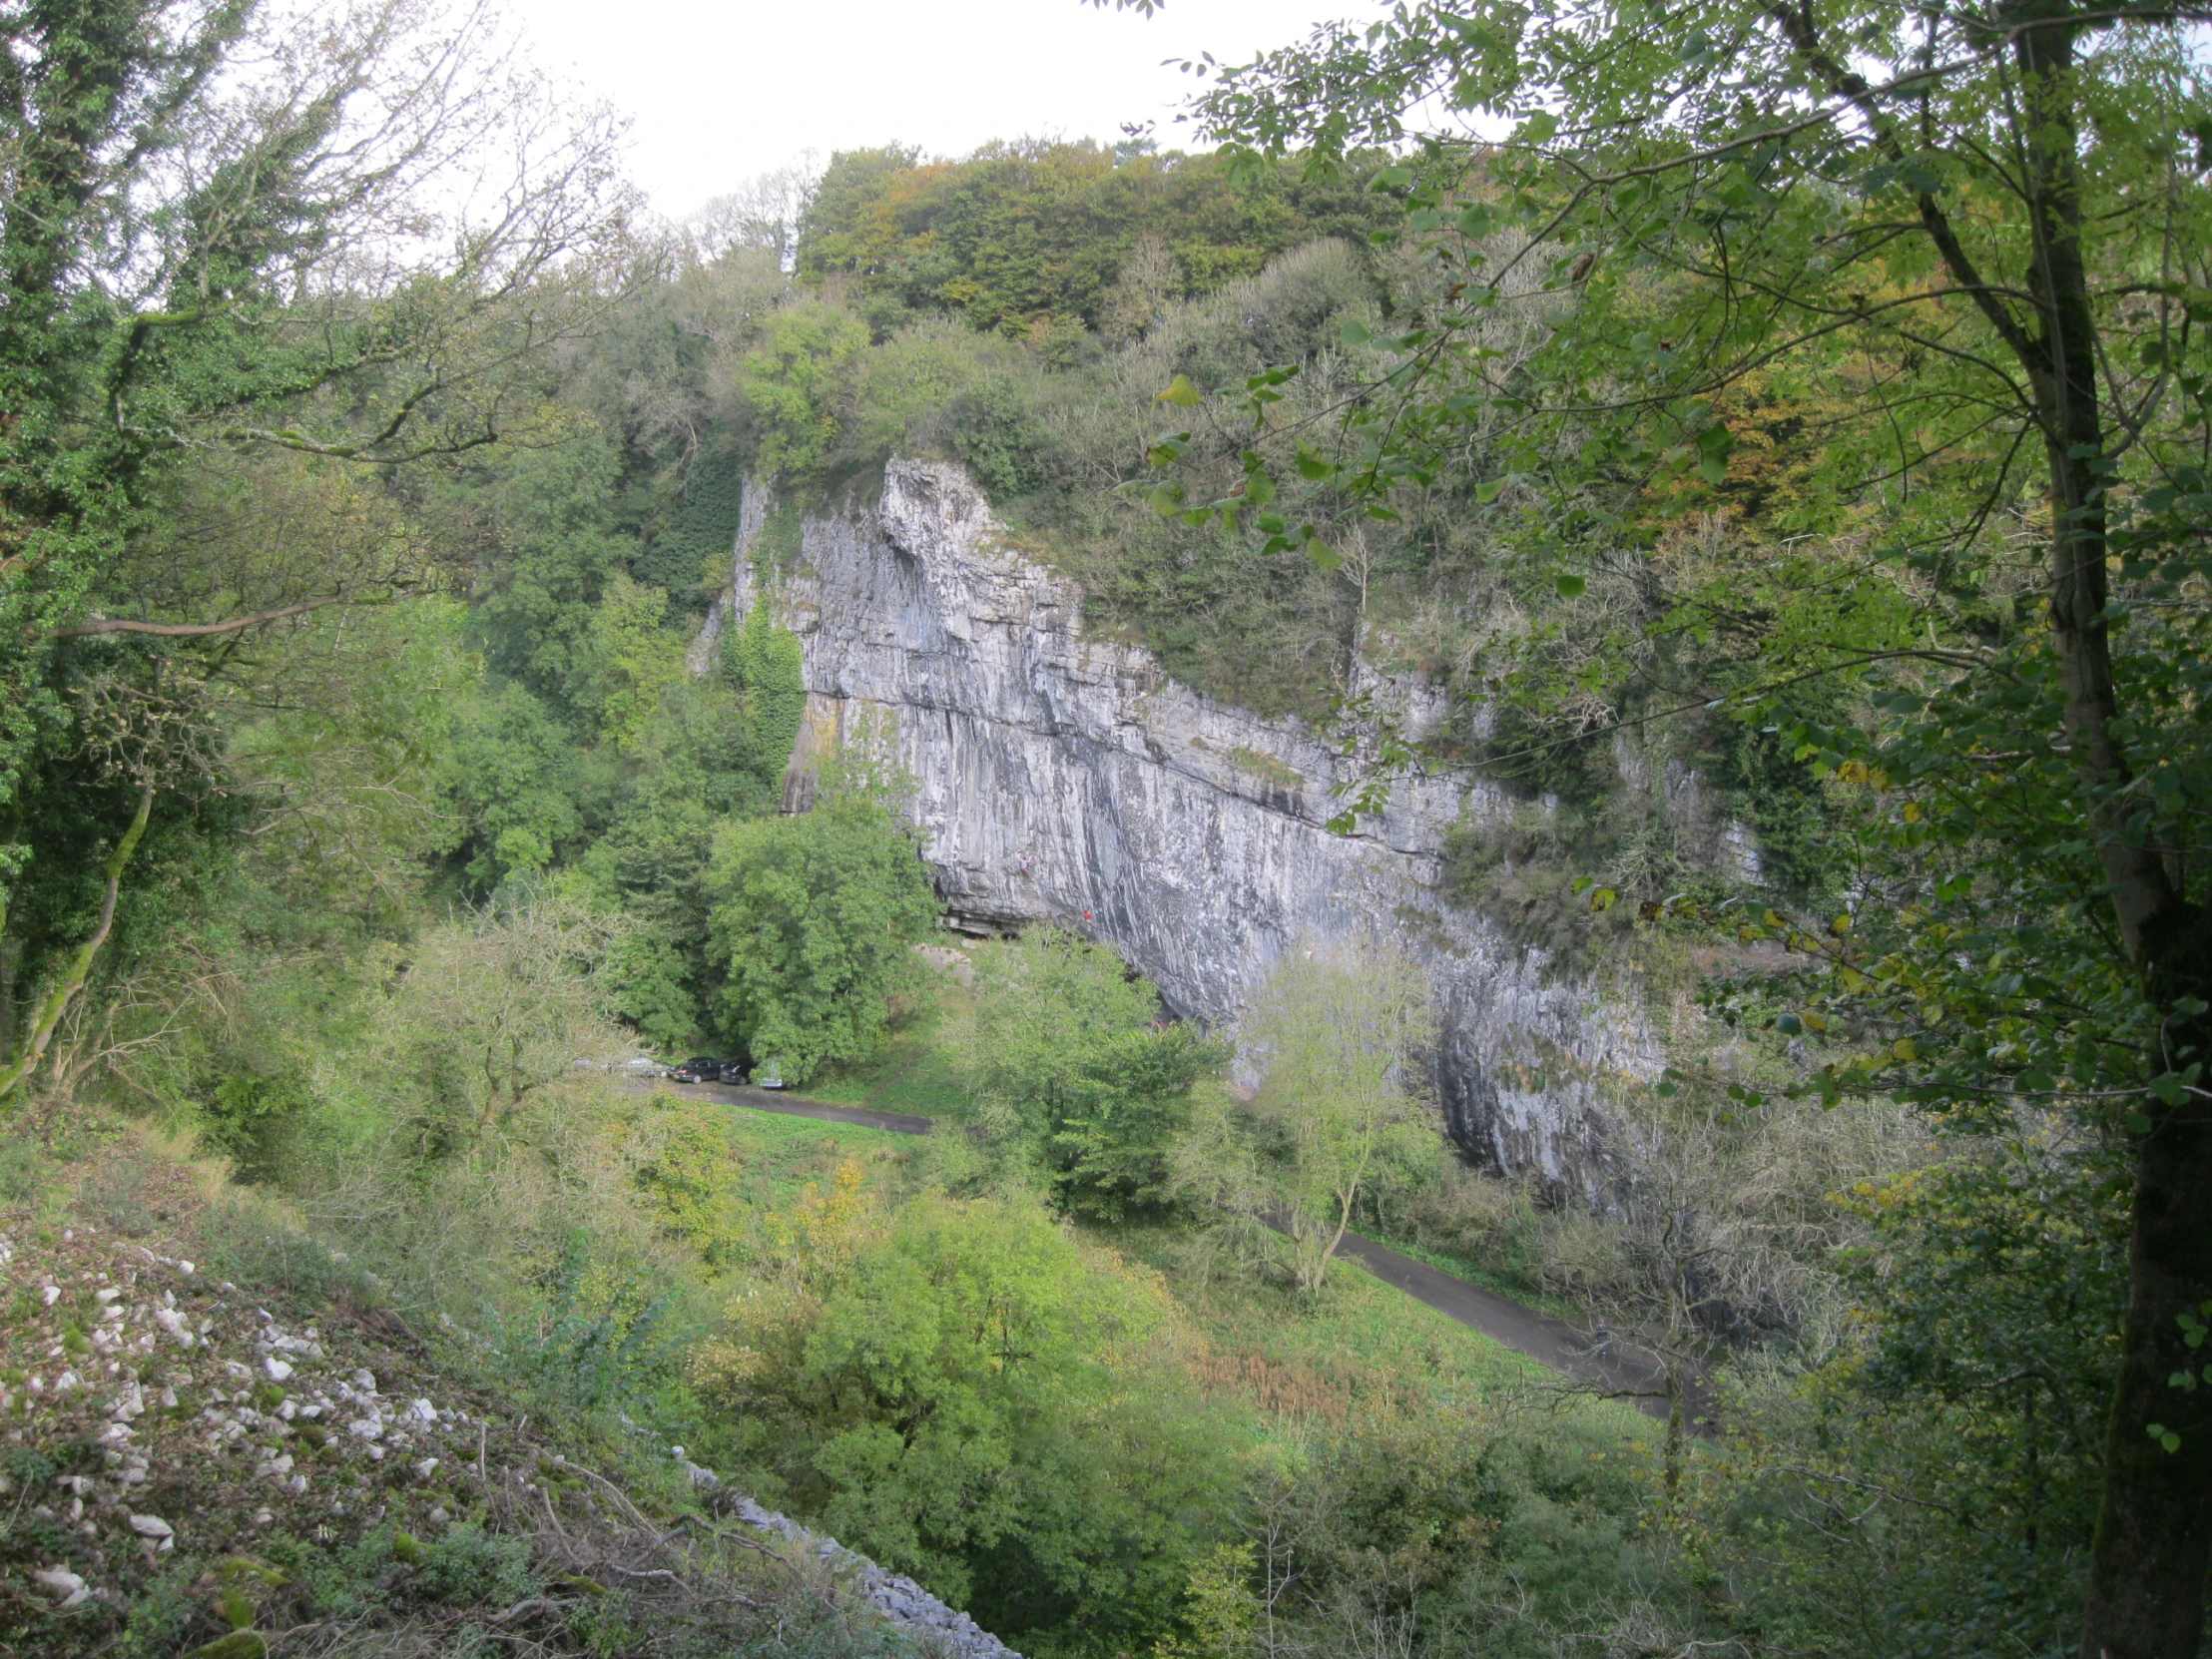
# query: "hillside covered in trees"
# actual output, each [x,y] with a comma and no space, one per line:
[1809,406]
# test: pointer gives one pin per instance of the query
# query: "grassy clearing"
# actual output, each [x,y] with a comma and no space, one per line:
[920,1069]
[1359,1342]
[779,1157]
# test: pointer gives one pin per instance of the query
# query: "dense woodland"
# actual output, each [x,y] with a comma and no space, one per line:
[1809,403]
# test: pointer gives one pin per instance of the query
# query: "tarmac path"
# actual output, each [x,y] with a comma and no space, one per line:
[1609,1366]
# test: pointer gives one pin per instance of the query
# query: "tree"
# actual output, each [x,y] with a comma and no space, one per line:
[1070,1045]
[796,384]
[1980,230]
[517,769]
[1018,237]
[1342,1037]
[220,234]
[543,517]
[487,1013]
[815,922]
[972,1397]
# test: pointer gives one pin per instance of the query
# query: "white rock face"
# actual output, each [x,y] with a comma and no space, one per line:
[1069,779]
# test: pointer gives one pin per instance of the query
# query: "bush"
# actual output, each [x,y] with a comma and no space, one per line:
[974,1400]
[904,383]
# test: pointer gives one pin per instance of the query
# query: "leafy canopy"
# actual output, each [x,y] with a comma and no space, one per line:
[816,918]
[1971,242]
[972,1397]
[1073,1048]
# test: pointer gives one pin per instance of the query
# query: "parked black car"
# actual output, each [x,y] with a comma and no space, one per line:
[700,1068]
[732,1071]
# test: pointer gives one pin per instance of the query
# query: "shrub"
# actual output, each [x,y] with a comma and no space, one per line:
[974,1400]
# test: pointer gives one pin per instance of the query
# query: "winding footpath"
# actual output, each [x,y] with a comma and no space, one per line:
[1608,1366]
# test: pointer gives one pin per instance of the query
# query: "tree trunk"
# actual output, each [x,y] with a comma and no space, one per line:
[2154,1522]
[1676,1430]
[49,1013]
[2154,1526]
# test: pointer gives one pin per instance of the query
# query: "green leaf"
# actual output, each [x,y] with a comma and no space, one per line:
[239,1644]
[1324,556]
[1714,445]
[1570,586]
[1180,394]
[1313,467]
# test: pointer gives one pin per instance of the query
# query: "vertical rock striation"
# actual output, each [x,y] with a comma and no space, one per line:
[1068,778]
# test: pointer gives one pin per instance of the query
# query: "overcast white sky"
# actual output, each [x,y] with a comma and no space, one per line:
[722,92]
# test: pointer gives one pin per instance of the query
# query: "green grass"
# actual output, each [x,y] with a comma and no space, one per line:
[919,1071]
[1359,1341]
[918,1078]
[783,1154]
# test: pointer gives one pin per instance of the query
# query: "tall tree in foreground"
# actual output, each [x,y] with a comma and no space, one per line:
[232,232]
[1949,263]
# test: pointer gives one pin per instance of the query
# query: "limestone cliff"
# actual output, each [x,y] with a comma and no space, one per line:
[1066,777]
